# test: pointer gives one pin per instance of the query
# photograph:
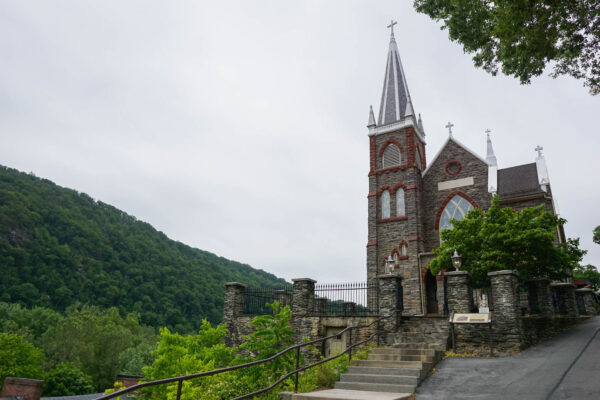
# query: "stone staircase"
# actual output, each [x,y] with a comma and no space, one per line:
[396,370]
[420,344]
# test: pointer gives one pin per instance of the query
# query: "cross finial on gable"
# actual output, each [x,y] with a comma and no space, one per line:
[391,26]
[449,126]
[539,150]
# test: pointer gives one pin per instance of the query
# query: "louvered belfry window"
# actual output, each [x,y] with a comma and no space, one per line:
[391,156]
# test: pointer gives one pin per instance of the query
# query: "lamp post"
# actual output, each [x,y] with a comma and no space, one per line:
[389,264]
[456,260]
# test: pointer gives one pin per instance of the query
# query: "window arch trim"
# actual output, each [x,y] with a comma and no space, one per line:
[447,200]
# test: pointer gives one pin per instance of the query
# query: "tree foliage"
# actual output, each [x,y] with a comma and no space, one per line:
[597,235]
[59,247]
[66,380]
[588,273]
[500,239]
[19,358]
[520,37]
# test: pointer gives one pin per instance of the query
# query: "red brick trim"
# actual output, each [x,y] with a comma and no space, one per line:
[372,154]
[389,169]
[384,187]
[372,194]
[384,220]
[447,200]
[386,143]
[372,243]
[398,185]
[412,187]
[410,144]
[453,162]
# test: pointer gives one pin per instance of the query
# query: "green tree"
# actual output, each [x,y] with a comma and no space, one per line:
[19,358]
[597,235]
[93,340]
[500,238]
[520,37]
[588,273]
[67,380]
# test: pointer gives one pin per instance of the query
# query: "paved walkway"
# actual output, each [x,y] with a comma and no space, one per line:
[556,369]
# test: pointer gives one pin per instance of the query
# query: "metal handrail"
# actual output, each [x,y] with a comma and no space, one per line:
[181,378]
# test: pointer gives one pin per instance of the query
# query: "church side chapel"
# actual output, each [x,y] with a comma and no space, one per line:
[411,199]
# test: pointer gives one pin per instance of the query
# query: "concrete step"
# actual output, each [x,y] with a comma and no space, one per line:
[342,394]
[372,378]
[409,352]
[412,372]
[375,387]
[389,364]
[402,357]
[422,345]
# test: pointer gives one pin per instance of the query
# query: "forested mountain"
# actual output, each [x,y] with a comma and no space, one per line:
[59,247]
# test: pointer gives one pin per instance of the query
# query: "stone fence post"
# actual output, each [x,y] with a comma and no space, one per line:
[233,308]
[565,297]
[507,315]
[460,293]
[587,296]
[304,296]
[541,292]
[390,303]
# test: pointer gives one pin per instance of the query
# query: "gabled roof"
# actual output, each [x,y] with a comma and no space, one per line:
[518,181]
[395,98]
[451,138]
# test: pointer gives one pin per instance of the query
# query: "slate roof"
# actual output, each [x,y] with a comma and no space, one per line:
[395,99]
[518,181]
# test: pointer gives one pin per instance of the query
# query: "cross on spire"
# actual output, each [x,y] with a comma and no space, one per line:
[391,26]
[539,150]
[488,131]
[449,126]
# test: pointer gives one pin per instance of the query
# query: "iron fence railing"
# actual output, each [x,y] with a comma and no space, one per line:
[295,373]
[346,299]
[256,300]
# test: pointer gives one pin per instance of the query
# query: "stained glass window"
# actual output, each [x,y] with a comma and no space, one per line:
[385,204]
[400,208]
[456,208]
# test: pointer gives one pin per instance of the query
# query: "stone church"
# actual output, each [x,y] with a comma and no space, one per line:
[411,198]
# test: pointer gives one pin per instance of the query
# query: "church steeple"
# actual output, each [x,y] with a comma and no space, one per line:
[492,166]
[395,98]
[490,157]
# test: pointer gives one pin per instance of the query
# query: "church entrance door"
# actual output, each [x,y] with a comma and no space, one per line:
[431,293]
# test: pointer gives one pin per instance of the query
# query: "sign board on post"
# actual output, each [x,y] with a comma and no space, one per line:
[471,318]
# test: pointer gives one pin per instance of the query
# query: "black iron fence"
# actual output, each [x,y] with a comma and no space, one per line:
[346,299]
[256,300]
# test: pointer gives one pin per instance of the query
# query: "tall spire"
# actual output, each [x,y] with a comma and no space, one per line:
[492,166]
[395,98]
[371,117]
[490,158]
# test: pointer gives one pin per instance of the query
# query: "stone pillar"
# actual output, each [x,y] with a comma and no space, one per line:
[587,298]
[507,315]
[460,293]
[441,293]
[284,297]
[565,297]
[349,308]
[28,389]
[304,295]
[543,297]
[233,308]
[390,303]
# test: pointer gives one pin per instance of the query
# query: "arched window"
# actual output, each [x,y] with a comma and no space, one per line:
[404,249]
[456,208]
[400,207]
[385,204]
[391,156]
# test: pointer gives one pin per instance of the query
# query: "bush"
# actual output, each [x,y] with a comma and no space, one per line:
[19,358]
[67,380]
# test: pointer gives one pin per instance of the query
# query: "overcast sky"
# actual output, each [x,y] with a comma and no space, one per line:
[238,127]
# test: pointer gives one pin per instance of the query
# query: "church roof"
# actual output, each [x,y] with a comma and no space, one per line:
[395,98]
[453,139]
[518,181]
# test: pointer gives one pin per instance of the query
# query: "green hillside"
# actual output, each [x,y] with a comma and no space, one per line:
[59,247]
